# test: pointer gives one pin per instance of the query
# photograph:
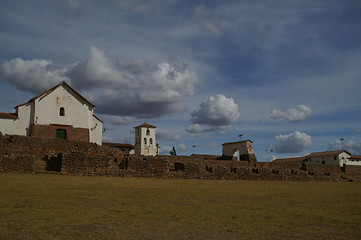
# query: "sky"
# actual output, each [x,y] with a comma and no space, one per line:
[284,74]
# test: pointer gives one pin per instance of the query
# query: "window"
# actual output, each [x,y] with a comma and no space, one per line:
[61,111]
[145,141]
[323,162]
[147,132]
[151,141]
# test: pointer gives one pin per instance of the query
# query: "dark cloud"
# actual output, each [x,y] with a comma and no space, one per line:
[32,75]
[163,134]
[139,88]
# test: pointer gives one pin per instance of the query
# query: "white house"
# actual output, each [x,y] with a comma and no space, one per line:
[354,160]
[127,149]
[339,157]
[61,112]
[145,143]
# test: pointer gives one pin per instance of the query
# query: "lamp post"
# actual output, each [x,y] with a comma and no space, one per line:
[341,143]
[240,137]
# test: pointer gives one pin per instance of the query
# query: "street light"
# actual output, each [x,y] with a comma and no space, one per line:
[341,143]
[240,137]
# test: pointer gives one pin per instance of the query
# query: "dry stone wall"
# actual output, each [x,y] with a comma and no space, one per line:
[16,162]
[87,159]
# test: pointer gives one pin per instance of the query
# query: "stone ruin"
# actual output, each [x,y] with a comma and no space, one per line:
[19,154]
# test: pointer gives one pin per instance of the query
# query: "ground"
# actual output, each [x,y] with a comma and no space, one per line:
[50,206]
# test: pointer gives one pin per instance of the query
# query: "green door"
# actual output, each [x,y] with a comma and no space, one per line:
[61,134]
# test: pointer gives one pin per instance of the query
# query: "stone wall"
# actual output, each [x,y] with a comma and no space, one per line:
[89,159]
[16,162]
[51,146]
[79,163]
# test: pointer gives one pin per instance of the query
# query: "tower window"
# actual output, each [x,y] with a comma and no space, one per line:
[151,141]
[147,132]
[61,111]
[145,141]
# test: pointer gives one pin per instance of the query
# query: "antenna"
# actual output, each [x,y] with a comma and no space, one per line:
[341,143]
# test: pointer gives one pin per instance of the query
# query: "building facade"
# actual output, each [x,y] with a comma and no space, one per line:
[127,149]
[339,157]
[330,157]
[145,142]
[240,151]
[59,113]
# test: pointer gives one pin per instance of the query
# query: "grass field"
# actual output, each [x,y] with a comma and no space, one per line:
[47,206]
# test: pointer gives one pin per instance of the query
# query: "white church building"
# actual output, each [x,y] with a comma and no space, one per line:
[59,113]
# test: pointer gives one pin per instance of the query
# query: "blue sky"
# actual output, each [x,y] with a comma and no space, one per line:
[285,74]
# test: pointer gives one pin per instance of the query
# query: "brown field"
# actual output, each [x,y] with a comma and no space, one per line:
[47,206]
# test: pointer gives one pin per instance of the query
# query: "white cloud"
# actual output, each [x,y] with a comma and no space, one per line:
[195,130]
[32,75]
[182,147]
[96,71]
[163,134]
[296,114]
[165,150]
[216,114]
[351,146]
[295,142]
[216,111]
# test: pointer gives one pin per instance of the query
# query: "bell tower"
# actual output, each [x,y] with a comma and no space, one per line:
[145,143]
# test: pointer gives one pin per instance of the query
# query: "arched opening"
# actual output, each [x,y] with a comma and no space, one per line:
[236,154]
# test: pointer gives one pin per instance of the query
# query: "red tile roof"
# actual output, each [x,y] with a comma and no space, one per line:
[146,125]
[119,145]
[327,153]
[289,160]
[8,115]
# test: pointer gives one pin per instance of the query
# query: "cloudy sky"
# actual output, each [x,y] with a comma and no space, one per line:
[285,74]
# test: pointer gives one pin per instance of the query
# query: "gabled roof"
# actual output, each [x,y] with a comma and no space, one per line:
[289,160]
[327,153]
[8,115]
[97,118]
[118,145]
[146,125]
[63,84]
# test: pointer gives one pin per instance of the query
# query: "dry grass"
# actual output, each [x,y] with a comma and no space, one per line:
[43,206]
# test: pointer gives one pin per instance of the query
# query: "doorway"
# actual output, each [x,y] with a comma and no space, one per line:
[61,134]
